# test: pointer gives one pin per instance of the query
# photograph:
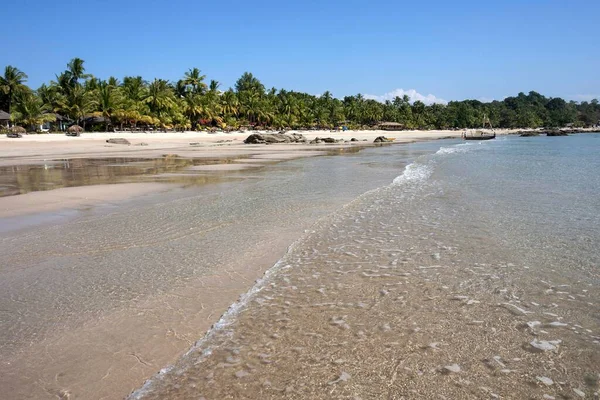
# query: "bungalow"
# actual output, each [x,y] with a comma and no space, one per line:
[391,126]
[4,119]
[59,125]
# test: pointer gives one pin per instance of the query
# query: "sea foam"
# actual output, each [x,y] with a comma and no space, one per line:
[414,173]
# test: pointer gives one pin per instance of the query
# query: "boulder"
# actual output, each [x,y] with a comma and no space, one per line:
[13,135]
[328,140]
[529,133]
[354,140]
[318,140]
[382,139]
[270,138]
[117,141]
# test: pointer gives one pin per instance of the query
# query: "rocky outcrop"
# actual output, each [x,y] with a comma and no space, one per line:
[117,141]
[556,132]
[271,138]
[382,139]
[548,132]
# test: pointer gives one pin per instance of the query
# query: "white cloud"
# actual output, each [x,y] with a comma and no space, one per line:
[584,97]
[411,93]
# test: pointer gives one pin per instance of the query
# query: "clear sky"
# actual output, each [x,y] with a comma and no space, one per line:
[452,50]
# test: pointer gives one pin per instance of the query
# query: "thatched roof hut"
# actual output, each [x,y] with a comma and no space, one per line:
[17,129]
[391,126]
[74,130]
[16,132]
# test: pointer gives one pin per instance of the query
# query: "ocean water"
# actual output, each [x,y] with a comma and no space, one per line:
[474,273]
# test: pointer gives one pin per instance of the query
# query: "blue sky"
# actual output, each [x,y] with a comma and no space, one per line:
[450,49]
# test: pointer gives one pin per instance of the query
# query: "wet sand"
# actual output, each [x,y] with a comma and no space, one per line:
[74,198]
[104,285]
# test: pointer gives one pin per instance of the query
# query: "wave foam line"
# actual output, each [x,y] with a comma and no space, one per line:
[413,172]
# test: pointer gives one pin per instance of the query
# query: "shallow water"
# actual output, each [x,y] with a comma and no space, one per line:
[76,290]
[474,274]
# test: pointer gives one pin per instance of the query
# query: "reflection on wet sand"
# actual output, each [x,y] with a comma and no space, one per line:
[55,174]
[170,168]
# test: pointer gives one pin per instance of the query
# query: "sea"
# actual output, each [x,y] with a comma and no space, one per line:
[472,272]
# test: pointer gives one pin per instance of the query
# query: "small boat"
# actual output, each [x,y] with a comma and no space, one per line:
[479,135]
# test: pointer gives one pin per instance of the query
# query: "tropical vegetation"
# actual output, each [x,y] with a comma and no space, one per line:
[194,103]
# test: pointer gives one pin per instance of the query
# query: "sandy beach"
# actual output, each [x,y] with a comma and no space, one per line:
[106,354]
[106,284]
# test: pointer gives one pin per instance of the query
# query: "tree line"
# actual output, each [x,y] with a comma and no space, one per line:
[192,103]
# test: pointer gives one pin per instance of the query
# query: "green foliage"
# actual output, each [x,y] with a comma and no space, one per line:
[190,103]
[30,112]
[12,83]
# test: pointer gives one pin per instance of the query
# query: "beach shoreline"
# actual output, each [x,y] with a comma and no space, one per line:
[227,147]
[144,348]
[89,357]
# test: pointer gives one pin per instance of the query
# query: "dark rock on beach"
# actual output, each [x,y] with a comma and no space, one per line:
[117,141]
[382,139]
[318,140]
[270,138]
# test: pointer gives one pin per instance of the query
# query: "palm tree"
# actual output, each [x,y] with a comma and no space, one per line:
[159,97]
[193,108]
[214,86]
[133,88]
[49,96]
[12,83]
[230,104]
[30,112]
[108,101]
[76,71]
[194,78]
[78,104]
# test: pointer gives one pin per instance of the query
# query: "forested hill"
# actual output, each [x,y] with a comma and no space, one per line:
[194,103]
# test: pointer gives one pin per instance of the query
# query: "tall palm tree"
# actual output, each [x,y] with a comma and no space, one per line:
[49,96]
[76,71]
[108,101]
[193,108]
[230,104]
[214,86]
[12,83]
[78,104]
[133,87]
[195,79]
[159,97]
